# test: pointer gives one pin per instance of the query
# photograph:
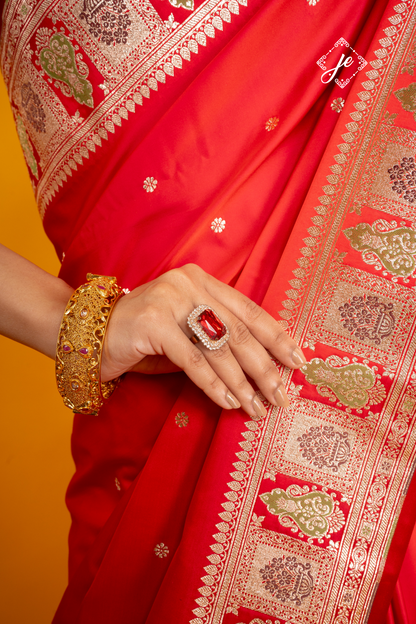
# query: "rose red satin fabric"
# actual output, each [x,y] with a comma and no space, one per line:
[141,480]
[403,606]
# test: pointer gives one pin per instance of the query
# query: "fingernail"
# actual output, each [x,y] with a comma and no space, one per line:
[259,407]
[298,357]
[232,400]
[281,397]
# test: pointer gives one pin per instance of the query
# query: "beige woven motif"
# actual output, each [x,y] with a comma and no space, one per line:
[355,308]
[388,182]
[344,436]
[362,314]
[267,561]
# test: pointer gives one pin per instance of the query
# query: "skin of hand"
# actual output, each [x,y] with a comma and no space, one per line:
[148,333]
[32,302]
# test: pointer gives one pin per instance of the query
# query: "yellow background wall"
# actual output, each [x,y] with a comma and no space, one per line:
[35,427]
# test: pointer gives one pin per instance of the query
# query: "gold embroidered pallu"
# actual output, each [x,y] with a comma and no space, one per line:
[350,432]
[293,519]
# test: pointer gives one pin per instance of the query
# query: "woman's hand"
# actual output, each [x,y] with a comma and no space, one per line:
[148,332]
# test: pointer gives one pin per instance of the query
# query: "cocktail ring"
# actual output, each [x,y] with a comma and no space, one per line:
[208,328]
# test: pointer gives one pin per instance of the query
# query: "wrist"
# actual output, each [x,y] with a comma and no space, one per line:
[32,302]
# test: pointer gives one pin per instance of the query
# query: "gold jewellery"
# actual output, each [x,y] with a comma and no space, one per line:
[80,345]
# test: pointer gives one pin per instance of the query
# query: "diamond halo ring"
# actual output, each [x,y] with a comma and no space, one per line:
[208,328]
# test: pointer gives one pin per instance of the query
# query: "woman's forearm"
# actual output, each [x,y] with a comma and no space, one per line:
[32,302]
[151,322]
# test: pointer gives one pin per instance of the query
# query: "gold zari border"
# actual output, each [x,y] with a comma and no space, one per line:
[379,494]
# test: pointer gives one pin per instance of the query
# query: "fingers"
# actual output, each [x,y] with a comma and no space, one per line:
[227,368]
[242,355]
[261,325]
[220,375]
[252,333]
[148,333]
[193,362]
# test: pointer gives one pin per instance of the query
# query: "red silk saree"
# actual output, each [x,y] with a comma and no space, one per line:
[273,144]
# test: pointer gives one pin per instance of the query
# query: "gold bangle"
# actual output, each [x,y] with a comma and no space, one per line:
[80,345]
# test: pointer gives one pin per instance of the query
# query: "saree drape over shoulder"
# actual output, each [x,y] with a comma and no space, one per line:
[273,144]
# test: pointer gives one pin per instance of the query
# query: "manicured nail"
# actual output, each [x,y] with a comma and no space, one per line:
[259,407]
[298,357]
[232,400]
[281,397]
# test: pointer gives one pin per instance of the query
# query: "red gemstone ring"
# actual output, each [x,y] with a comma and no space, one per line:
[208,328]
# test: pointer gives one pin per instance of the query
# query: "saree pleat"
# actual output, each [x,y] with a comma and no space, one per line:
[243,161]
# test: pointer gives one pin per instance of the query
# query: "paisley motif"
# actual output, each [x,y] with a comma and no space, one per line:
[354,385]
[314,513]
[385,245]
[185,4]
[58,61]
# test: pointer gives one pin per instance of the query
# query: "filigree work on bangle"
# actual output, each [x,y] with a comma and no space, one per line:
[80,344]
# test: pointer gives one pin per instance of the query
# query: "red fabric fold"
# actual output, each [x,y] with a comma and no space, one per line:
[147,491]
[212,158]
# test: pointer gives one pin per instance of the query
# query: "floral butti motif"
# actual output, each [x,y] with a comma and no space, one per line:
[407,98]
[315,514]
[324,447]
[354,385]
[33,107]
[108,20]
[218,225]
[272,123]
[367,318]
[182,419]
[58,61]
[288,579]
[150,184]
[337,105]
[403,179]
[385,245]
[161,550]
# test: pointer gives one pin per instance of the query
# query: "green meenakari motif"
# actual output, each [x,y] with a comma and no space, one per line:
[354,385]
[407,98]
[58,61]
[315,514]
[410,63]
[185,4]
[26,146]
[385,245]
